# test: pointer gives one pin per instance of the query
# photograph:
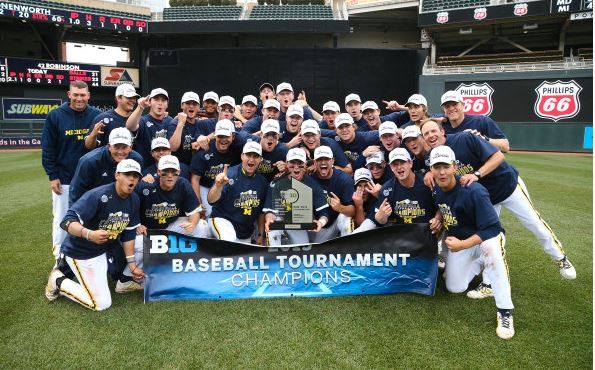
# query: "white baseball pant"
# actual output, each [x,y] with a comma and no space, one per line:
[222,229]
[91,290]
[204,192]
[365,226]
[59,209]
[341,226]
[489,255]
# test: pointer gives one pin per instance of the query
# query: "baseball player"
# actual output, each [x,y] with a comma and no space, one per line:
[418,111]
[371,114]
[353,106]
[266,91]
[206,127]
[312,139]
[295,117]
[354,143]
[210,101]
[97,223]
[126,98]
[270,110]
[149,126]
[62,144]
[247,110]
[364,201]
[330,111]
[237,199]
[99,165]
[160,147]
[376,164]
[480,161]
[285,97]
[273,152]
[182,131]
[296,169]
[475,239]
[167,204]
[417,146]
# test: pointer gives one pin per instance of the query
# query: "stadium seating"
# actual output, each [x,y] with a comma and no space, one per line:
[191,13]
[503,58]
[437,5]
[292,12]
[586,53]
[85,9]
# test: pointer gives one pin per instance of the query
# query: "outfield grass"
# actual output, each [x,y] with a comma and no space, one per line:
[553,317]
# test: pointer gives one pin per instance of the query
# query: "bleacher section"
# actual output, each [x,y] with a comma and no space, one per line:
[503,58]
[437,5]
[292,12]
[191,13]
[86,9]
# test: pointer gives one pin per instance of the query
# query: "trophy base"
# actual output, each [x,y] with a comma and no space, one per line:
[286,226]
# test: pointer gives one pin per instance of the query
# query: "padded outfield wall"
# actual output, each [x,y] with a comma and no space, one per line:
[524,107]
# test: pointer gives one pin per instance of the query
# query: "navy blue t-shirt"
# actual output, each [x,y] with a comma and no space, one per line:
[466,211]
[205,127]
[253,124]
[484,124]
[321,207]
[209,164]
[242,200]
[341,184]
[152,169]
[149,128]
[102,208]
[111,119]
[354,150]
[159,208]
[188,136]
[409,205]
[266,169]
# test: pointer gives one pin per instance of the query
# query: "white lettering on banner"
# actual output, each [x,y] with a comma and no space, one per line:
[159,244]
[290,278]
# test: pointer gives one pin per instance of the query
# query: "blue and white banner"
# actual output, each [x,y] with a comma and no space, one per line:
[28,109]
[396,259]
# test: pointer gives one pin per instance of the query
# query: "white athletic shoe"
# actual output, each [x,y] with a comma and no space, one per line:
[128,286]
[482,291]
[505,329]
[566,269]
[51,289]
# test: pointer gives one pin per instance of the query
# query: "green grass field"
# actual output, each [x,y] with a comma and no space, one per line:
[553,317]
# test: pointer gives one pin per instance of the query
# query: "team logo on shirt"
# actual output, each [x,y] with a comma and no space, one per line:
[161,133]
[214,171]
[557,100]
[79,133]
[353,156]
[247,200]
[408,210]
[463,169]
[187,142]
[115,224]
[448,219]
[477,98]
[162,211]
[106,120]
[266,166]
[104,198]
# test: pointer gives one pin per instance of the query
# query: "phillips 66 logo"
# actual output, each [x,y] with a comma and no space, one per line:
[477,98]
[557,100]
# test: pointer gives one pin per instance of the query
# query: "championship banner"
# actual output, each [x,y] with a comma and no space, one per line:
[29,109]
[396,259]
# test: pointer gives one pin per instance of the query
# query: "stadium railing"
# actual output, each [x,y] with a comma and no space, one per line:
[565,64]
[437,5]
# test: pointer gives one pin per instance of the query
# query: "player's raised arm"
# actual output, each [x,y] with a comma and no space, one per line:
[133,121]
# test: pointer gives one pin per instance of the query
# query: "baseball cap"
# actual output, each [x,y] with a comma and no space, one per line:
[362,174]
[266,84]
[252,147]
[342,119]
[272,103]
[226,99]
[211,95]
[270,125]
[284,86]
[120,135]
[377,157]
[369,105]
[128,165]
[323,151]
[296,154]
[442,154]
[159,142]
[224,128]
[295,109]
[168,161]
[126,90]
[411,131]
[190,96]
[158,91]
[331,106]
[400,154]
[352,97]
[310,126]
[451,95]
[387,127]
[249,99]
[417,99]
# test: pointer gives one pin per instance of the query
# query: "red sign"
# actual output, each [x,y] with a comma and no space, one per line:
[520,9]
[480,13]
[477,98]
[442,17]
[557,100]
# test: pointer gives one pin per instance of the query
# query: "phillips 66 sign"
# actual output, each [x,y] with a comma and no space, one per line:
[557,100]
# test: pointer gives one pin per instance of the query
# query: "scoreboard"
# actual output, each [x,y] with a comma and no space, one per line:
[42,13]
[39,72]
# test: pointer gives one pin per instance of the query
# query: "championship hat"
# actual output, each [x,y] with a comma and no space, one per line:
[126,90]
[310,126]
[168,161]
[249,99]
[295,109]
[352,97]
[387,127]
[160,142]
[158,91]
[417,99]
[296,154]
[128,165]
[451,95]
[323,151]
[331,106]
[411,131]
[284,86]
[362,174]
[442,154]
[377,157]
[190,96]
[120,135]
[210,95]
[342,119]
[252,147]
[224,128]
[369,105]
[272,103]
[399,154]
[226,99]
[270,125]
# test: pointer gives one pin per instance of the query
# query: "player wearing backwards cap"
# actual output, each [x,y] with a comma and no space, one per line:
[238,197]
[371,114]
[273,152]
[405,199]
[210,100]
[475,239]
[330,111]
[296,169]
[417,146]
[457,121]
[354,143]
[479,161]
[159,148]
[338,190]
[169,204]
[96,224]
[126,98]
[376,164]
[97,167]
[152,125]
[311,139]
[182,131]
[364,200]
[270,110]
[207,164]
[62,145]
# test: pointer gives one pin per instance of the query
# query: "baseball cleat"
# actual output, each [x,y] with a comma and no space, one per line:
[128,286]
[482,291]
[566,269]
[505,329]
[51,289]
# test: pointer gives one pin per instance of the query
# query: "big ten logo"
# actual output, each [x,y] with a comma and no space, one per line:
[304,248]
[477,98]
[171,244]
[557,100]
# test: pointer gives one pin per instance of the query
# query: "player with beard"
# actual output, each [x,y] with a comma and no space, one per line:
[417,146]
[182,130]
[330,111]
[159,148]
[273,152]
[126,98]
[354,143]
[364,200]
[371,114]
[311,139]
